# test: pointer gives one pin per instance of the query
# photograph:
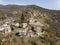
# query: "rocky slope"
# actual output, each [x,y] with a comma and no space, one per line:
[50,17]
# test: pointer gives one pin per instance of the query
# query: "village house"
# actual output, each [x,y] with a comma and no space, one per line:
[22,32]
[5,27]
[35,31]
[38,29]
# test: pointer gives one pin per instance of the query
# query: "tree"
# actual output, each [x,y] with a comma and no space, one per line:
[22,18]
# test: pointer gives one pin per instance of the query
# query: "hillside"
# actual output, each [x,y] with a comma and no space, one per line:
[45,16]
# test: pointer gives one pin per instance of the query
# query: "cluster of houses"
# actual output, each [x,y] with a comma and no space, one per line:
[25,28]
[31,31]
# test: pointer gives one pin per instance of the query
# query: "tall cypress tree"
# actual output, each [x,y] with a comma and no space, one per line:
[22,18]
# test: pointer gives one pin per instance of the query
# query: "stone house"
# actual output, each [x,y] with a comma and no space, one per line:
[38,29]
[5,27]
[22,33]
[35,31]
